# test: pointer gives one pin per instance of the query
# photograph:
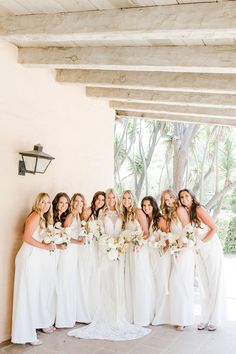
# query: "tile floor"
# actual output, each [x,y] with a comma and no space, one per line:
[162,339]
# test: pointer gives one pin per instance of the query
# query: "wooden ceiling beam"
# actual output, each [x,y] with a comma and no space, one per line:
[211,59]
[163,97]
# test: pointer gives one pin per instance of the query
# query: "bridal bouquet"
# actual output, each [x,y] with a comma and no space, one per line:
[96,228]
[188,237]
[137,240]
[110,245]
[86,232]
[174,242]
[57,235]
[159,240]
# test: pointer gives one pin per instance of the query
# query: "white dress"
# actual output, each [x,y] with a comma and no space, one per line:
[181,284]
[209,261]
[67,277]
[109,322]
[85,266]
[34,286]
[139,283]
[161,265]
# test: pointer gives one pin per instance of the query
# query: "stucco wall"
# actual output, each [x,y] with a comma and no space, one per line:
[76,130]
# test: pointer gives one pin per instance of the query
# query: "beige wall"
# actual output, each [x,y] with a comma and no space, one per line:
[76,130]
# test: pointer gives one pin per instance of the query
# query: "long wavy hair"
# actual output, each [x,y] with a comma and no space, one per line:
[127,214]
[94,211]
[81,215]
[193,210]
[45,218]
[55,202]
[170,213]
[105,209]
[156,214]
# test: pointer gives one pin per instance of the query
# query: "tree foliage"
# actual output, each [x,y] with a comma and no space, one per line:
[151,156]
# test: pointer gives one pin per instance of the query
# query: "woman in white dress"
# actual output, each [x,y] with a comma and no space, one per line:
[68,273]
[109,322]
[160,260]
[93,213]
[97,205]
[209,260]
[139,278]
[33,277]
[87,259]
[181,283]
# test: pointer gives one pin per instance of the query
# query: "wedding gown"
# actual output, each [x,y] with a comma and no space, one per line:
[109,321]
[161,265]
[209,261]
[181,284]
[34,287]
[67,278]
[139,283]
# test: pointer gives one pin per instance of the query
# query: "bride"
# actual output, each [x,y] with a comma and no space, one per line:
[109,321]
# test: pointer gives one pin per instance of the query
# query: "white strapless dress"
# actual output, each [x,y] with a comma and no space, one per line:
[109,321]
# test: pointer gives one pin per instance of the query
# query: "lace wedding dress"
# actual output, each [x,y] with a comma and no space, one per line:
[109,321]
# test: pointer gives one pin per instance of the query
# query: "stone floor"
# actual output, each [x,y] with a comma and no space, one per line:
[162,339]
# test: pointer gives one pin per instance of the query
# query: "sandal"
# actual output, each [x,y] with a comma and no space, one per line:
[180,328]
[36,342]
[211,327]
[202,326]
[48,330]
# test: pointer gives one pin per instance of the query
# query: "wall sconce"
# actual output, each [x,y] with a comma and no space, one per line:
[35,161]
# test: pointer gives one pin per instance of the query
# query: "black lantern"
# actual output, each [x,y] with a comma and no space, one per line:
[35,161]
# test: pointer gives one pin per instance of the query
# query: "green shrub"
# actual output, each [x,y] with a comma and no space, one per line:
[230,241]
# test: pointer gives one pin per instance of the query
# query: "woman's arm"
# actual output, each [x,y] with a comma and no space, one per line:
[205,217]
[141,217]
[30,226]
[183,216]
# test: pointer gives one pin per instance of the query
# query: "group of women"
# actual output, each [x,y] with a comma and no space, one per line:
[116,299]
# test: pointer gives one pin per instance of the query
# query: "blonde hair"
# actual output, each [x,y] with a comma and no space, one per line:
[45,218]
[170,213]
[82,214]
[105,209]
[127,215]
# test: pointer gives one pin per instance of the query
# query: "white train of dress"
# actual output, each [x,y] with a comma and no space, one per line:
[181,284]
[139,283]
[210,267]
[34,289]
[161,266]
[109,321]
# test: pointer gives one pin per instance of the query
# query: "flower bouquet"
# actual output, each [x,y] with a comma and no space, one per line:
[159,241]
[188,237]
[137,240]
[57,235]
[110,245]
[96,228]
[85,232]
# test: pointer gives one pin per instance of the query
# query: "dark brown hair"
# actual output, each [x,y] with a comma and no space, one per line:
[94,212]
[156,211]
[55,202]
[193,210]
